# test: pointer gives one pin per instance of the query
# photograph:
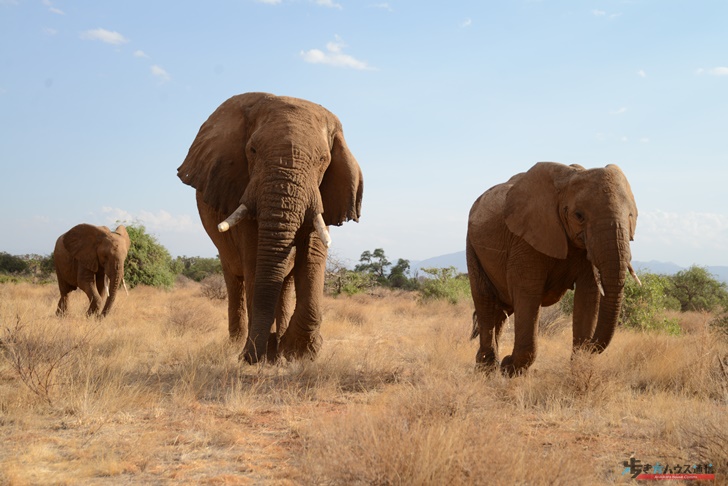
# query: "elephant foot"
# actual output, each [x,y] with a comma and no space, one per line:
[510,368]
[486,361]
[295,346]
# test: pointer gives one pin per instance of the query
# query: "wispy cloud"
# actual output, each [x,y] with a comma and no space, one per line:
[49,31]
[160,73]
[466,23]
[329,4]
[154,221]
[53,9]
[383,6]
[685,231]
[716,71]
[641,73]
[602,13]
[103,35]
[269,2]
[619,111]
[140,53]
[334,56]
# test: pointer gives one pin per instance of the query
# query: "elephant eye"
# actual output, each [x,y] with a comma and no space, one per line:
[252,150]
[579,216]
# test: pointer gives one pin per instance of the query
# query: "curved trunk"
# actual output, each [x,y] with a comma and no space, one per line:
[115,274]
[611,256]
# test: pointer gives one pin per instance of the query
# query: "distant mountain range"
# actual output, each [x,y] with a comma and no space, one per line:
[457,260]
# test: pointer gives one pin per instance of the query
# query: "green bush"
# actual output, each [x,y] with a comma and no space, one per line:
[644,306]
[445,283]
[197,268]
[12,264]
[697,290]
[148,262]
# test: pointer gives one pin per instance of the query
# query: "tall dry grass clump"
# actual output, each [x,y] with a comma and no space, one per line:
[155,393]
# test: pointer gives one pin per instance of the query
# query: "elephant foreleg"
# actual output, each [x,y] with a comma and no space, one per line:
[586,308]
[527,310]
[283,317]
[303,336]
[237,308]
[87,283]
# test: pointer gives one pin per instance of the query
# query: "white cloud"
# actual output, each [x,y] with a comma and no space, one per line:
[466,23]
[160,221]
[329,4]
[160,73]
[334,56]
[599,13]
[103,35]
[719,71]
[269,2]
[619,111]
[49,31]
[383,6]
[641,73]
[140,53]
[685,233]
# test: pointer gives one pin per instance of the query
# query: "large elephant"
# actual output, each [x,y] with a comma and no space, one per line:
[547,230]
[86,257]
[271,173]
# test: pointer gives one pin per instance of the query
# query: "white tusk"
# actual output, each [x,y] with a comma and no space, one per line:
[598,279]
[106,285]
[124,283]
[634,275]
[322,230]
[233,219]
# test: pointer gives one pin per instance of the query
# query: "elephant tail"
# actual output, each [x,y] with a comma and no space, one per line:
[476,328]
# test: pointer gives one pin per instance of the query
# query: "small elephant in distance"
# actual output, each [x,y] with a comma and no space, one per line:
[553,228]
[271,173]
[91,258]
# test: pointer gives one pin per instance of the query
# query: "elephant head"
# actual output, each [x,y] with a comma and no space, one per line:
[284,163]
[553,205]
[99,253]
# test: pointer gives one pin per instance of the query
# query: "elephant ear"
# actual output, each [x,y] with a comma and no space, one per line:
[216,164]
[342,186]
[532,207]
[82,242]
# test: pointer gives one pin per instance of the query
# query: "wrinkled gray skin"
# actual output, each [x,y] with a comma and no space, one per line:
[84,256]
[550,229]
[286,160]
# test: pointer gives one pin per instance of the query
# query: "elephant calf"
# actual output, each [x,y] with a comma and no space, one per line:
[85,256]
[545,231]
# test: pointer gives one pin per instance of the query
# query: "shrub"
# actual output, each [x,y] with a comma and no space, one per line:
[644,306]
[198,268]
[214,288]
[445,283]
[148,262]
[696,290]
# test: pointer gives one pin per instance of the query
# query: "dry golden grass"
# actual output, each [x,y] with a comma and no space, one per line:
[154,394]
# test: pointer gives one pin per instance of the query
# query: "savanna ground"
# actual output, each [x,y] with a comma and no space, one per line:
[154,394]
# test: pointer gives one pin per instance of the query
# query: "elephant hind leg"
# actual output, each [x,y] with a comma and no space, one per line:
[489,315]
[65,289]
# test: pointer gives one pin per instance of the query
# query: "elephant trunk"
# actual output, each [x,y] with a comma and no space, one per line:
[282,210]
[115,275]
[611,257]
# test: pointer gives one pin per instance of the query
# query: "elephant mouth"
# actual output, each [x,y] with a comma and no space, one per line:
[242,211]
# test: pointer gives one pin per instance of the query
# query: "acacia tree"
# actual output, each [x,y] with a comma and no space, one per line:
[375,263]
[697,290]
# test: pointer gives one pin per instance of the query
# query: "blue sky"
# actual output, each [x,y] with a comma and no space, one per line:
[100,101]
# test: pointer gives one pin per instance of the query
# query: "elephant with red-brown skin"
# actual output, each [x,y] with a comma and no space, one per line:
[86,256]
[271,173]
[545,231]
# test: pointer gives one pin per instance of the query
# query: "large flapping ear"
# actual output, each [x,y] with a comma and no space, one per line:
[121,231]
[82,242]
[622,187]
[532,208]
[216,164]
[342,186]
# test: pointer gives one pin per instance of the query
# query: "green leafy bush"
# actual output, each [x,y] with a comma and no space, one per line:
[197,268]
[445,283]
[148,262]
[697,290]
[644,306]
